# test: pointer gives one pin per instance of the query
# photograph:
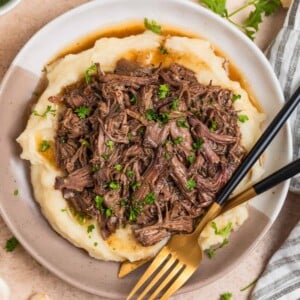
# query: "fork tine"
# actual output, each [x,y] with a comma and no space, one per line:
[182,278]
[171,275]
[165,268]
[158,260]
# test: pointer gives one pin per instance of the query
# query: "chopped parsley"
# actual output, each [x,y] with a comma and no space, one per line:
[134,213]
[226,296]
[191,184]
[130,173]
[48,110]
[133,99]
[235,98]
[44,146]
[163,50]
[211,253]
[104,156]
[150,198]
[118,167]
[198,144]
[95,244]
[82,111]
[223,232]
[90,228]
[114,185]
[135,185]
[175,103]
[63,210]
[123,203]
[11,244]
[163,91]
[16,192]
[191,158]
[151,115]
[213,126]
[110,145]
[108,212]
[85,143]
[178,140]
[87,74]
[95,168]
[152,25]
[167,155]
[243,118]
[183,124]
[99,202]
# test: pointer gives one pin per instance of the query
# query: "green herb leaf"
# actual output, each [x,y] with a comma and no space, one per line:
[150,198]
[11,244]
[48,110]
[95,168]
[163,91]
[191,184]
[226,296]
[122,202]
[198,144]
[217,6]
[90,228]
[167,155]
[213,126]
[135,185]
[82,111]
[175,103]
[118,167]
[151,115]
[223,232]
[44,146]
[235,98]
[108,212]
[262,7]
[134,213]
[110,145]
[99,202]
[211,253]
[95,244]
[152,25]
[163,118]
[191,158]
[16,192]
[104,156]
[114,185]
[243,118]
[130,174]
[87,74]
[178,140]
[163,50]
[183,124]
[133,99]
[85,143]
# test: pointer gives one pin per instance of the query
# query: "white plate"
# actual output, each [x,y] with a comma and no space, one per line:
[22,214]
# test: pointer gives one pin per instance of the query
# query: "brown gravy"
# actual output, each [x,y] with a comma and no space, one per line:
[132,28]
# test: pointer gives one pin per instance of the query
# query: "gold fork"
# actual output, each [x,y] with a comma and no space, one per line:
[182,255]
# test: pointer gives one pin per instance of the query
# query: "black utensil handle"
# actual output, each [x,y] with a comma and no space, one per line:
[259,147]
[283,174]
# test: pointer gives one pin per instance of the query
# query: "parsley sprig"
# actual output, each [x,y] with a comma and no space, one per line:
[250,25]
[48,110]
[11,244]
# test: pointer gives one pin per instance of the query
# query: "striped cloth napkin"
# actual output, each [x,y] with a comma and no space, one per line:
[281,278]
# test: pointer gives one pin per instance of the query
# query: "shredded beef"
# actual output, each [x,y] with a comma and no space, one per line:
[145,146]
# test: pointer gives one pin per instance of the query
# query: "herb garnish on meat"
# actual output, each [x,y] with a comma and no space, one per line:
[145,146]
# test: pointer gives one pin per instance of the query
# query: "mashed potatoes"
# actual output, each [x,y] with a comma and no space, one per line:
[195,54]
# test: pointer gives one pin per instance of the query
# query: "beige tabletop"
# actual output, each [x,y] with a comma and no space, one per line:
[23,274]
